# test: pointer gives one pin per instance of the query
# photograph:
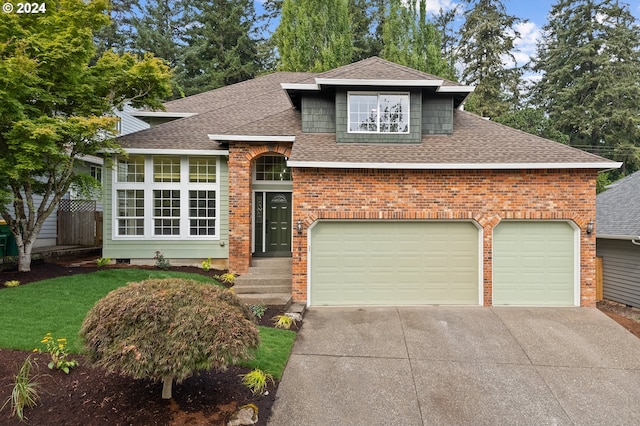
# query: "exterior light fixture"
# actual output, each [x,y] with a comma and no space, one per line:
[589,227]
[299,227]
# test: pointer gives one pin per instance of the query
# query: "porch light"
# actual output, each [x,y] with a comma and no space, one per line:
[589,227]
[299,227]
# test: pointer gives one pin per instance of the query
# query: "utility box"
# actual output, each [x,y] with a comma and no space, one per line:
[12,247]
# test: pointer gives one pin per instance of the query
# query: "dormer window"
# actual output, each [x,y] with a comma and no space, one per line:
[378,112]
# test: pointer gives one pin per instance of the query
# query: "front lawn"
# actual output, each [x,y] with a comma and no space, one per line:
[59,306]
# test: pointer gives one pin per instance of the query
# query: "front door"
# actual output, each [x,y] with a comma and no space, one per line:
[273,224]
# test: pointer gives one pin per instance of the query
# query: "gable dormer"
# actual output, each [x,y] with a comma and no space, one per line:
[376,101]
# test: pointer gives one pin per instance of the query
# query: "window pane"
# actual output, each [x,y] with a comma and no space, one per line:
[202,169]
[394,113]
[272,167]
[166,212]
[130,212]
[130,169]
[363,113]
[202,213]
[166,169]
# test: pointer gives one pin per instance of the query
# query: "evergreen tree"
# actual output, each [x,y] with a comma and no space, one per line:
[120,33]
[589,58]
[219,48]
[410,39]
[486,39]
[314,35]
[160,29]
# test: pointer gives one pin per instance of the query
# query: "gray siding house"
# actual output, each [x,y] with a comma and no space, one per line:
[618,240]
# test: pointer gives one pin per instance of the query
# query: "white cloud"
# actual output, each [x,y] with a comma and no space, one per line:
[530,33]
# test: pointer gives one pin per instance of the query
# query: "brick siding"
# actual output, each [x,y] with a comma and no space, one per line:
[486,197]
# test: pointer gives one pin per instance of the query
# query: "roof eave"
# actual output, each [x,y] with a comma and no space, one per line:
[449,166]
[252,138]
[635,239]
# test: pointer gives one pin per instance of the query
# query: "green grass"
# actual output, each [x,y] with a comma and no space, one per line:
[274,350]
[59,306]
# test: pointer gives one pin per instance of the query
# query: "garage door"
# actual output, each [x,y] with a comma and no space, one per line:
[393,263]
[533,264]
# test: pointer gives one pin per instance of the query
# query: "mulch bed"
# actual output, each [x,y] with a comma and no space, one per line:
[90,396]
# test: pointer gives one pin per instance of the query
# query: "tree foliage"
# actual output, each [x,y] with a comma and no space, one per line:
[486,38]
[54,106]
[313,35]
[219,47]
[410,39]
[589,58]
[168,329]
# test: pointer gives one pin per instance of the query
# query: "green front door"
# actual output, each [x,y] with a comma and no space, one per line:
[273,224]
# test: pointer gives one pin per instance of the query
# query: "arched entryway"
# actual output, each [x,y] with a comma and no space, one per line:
[272,189]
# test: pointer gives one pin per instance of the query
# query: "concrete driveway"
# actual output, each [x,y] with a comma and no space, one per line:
[460,366]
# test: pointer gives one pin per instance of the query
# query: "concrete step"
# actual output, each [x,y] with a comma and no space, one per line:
[271,299]
[271,262]
[255,289]
[263,270]
[253,279]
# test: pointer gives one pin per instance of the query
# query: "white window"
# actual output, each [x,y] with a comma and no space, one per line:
[166,197]
[378,112]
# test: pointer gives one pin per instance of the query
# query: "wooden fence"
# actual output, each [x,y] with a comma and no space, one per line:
[79,223]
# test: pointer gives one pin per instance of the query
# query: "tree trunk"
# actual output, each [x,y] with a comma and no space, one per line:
[167,383]
[24,256]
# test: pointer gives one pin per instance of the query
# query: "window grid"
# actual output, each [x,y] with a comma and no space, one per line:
[147,206]
[166,212]
[131,169]
[202,212]
[202,170]
[166,169]
[379,113]
[272,167]
[130,212]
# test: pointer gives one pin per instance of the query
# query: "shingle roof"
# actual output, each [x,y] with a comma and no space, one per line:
[474,141]
[618,208]
[260,107]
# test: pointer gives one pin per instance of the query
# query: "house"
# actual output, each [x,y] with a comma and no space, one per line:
[373,179]
[618,240]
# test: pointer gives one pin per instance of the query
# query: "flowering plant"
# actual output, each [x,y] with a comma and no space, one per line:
[58,352]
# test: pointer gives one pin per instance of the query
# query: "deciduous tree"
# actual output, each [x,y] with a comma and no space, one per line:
[54,106]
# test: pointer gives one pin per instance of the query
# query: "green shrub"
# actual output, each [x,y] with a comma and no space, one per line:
[103,261]
[25,391]
[167,329]
[283,321]
[258,310]
[161,262]
[256,380]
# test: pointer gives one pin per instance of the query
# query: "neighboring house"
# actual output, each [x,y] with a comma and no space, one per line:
[618,240]
[373,179]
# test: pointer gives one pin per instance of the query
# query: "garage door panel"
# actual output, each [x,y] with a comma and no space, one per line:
[387,263]
[533,263]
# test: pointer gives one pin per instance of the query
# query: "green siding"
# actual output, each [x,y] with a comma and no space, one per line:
[318,114]
[394,263]
[437,115]
[533,264]
[414,135]
[172,249]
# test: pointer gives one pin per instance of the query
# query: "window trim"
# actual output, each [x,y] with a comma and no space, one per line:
[378,94]
[148,186]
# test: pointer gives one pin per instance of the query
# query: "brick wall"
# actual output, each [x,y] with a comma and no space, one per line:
[241,157]
[484,196]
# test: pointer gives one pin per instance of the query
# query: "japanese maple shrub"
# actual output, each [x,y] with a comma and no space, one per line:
[168,329]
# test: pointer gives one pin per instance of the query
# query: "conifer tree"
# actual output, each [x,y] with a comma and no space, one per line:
[486,38]
[314,35]
[589,58]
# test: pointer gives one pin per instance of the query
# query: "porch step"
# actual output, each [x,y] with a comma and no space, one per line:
[269,299]
[267,282]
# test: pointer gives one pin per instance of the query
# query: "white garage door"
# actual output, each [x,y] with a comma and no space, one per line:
[394,263]
[534,264]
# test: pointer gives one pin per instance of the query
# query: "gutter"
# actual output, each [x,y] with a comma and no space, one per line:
[635,239]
